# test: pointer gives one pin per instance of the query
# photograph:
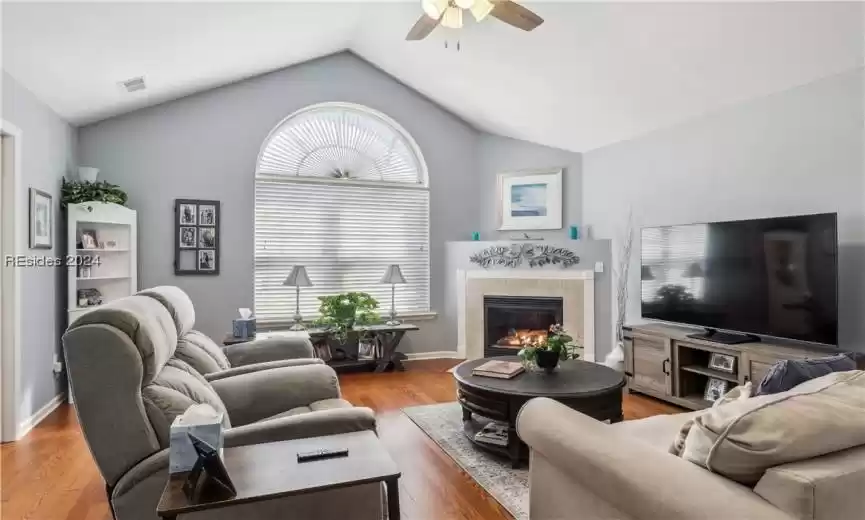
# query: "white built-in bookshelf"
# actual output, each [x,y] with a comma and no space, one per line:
[110,264]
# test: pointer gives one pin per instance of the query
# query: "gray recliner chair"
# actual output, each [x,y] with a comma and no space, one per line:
[129,387]
[213,362]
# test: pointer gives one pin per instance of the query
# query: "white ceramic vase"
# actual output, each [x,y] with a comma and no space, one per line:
[616,358]
[87,174]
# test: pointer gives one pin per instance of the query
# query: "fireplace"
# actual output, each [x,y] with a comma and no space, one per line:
[511,320]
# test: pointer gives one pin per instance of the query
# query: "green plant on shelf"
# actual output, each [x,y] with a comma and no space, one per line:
[339,313]
[76,192]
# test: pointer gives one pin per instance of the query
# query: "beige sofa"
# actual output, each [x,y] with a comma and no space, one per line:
[587,470]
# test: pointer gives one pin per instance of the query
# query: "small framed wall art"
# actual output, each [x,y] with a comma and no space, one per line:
[530,200]
[41,219]
[196,236]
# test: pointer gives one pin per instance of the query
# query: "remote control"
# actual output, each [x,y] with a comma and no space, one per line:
[321,454]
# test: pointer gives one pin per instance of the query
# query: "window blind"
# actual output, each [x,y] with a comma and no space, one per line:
[340,189]
[674,256]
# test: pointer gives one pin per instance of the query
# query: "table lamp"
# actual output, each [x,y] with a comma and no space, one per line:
[393,276]
[297,278]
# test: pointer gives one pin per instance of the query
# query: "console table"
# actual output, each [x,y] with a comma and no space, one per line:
[387,337]
[663,362]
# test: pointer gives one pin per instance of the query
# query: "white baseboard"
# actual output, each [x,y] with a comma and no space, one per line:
[441,354]
[31,422]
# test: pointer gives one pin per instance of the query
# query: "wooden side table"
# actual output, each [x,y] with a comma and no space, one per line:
[277,474]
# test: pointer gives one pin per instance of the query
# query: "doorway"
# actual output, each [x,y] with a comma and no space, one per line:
[11,220]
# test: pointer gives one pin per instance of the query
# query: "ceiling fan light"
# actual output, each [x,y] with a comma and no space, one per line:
[465,4]
[453,18]
[434,8]
[481,9]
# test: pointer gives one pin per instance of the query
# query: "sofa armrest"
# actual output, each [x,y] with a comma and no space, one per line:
[257,395]
[268,349]
[154,465]
[302,426]
[639,480]
[245,369]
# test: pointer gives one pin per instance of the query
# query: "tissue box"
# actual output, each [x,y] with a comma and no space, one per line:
[181,454]
[244,328]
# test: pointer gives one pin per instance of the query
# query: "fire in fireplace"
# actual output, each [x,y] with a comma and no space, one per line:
[511,321]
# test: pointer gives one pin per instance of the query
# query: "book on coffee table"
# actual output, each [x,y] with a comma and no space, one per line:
[498,369]
[493,433]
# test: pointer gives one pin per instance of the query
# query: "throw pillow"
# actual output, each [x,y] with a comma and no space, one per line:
[786,374]
[744,438]
[736,394]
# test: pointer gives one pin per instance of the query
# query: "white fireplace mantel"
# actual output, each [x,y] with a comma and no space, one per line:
[571,278]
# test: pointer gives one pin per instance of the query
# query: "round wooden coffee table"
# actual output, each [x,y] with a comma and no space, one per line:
[592,389]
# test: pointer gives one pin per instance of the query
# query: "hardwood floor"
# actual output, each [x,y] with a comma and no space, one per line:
[50,475]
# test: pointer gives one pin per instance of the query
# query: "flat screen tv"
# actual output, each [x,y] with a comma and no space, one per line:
[763,277]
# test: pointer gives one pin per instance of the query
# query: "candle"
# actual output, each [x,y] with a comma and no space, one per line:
[575,233]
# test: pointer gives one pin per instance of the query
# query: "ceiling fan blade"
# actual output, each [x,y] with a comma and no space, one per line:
[514,14]
[422,28]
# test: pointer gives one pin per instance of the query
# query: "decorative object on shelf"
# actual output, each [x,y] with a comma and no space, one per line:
[622,270]
[297,278]
[84,271]
[76,192]
[322,351]
[393,276]
[546,351]
[339,313]
[41,219]
[525,236]
[646,274]
[196,232]
[722,362]
[89,239]
[89,297]
[110,244]
[535,255]
[476,236]
[574,233]
[715,389]
[530,200]
[366,346]
[87,174]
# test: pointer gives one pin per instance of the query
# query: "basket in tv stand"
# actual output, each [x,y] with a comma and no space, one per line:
[663,362]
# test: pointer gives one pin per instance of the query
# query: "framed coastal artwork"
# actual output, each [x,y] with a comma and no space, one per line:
[530,200]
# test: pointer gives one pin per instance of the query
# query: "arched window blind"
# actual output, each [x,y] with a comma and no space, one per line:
[341,189]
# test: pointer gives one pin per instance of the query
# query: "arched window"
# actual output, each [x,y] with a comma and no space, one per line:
[341,189]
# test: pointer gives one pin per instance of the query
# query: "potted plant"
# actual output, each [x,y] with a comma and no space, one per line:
[75,192]
[546,352]
[339,313]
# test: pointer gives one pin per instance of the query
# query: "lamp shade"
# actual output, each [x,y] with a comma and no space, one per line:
[297,277]
[393,275]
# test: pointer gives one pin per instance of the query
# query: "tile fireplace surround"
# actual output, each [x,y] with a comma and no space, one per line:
[575,286]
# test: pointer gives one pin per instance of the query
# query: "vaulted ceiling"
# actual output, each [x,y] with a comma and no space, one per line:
[592,74]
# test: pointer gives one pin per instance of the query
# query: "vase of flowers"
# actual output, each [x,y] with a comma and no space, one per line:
[547,352]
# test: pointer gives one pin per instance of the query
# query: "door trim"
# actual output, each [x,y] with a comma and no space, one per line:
[13,220]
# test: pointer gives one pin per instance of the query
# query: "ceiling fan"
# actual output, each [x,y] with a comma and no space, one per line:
[449,13]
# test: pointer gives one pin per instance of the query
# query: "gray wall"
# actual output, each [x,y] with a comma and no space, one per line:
[798,151]
[205,146]
[589,251]
[48,154]
[498,154]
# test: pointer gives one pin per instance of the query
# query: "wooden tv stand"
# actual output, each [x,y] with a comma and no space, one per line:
[661,361]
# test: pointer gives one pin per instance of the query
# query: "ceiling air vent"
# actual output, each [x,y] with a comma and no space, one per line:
[134,84]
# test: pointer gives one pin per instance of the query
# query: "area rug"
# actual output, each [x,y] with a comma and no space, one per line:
[443,424]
